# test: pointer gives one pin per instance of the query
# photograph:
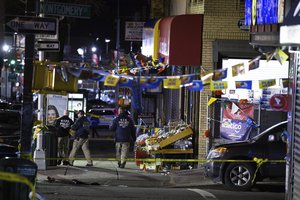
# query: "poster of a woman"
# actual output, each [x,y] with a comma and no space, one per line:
[52,114]
[56,104]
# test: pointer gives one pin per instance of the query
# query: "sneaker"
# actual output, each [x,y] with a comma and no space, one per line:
[122,165]
[58,162]
[119,163]
[89,165]
[66,163]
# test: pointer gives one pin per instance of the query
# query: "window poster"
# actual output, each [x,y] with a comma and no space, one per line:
[56,104]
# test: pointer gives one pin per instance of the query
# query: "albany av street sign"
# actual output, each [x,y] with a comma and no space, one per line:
[33,25]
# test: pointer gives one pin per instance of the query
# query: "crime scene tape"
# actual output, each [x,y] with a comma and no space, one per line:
[94,115]
[256,160]
[12,177]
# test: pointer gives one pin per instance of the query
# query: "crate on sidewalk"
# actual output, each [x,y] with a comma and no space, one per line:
[139,154]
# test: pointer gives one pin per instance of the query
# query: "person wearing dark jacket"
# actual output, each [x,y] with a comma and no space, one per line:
[124,133]
[63,126]
[81,126]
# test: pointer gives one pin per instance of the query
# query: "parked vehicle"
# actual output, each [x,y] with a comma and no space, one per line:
[106,115]
[10,127]
[270,144]
[8,151]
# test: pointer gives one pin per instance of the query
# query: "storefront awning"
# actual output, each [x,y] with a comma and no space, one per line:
[180,41]
[150,38]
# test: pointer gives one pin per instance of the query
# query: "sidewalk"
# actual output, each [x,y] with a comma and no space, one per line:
[106,173]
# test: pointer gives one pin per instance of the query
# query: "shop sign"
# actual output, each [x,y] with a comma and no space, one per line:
[279,102]
[134,31]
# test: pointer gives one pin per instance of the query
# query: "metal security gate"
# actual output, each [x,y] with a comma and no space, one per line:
[293,165]
[172,99]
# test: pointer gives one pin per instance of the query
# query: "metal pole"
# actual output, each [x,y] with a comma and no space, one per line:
[106,49]
[39,153]
[27,108]
[118,35]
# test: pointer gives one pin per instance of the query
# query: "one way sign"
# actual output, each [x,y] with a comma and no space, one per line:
[34,25]
[48,45]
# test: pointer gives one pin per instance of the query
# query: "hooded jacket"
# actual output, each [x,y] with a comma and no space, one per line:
[124,128]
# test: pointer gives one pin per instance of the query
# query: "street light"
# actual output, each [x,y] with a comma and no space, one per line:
[81,51]
[94,49]
[5,48]
[107,41]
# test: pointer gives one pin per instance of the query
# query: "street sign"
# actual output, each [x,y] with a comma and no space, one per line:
[48,45]
[134,31]
[46,37]
[67,10]
[33,25]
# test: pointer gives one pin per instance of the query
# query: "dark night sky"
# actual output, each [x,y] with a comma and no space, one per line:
[104,25]
[83,32]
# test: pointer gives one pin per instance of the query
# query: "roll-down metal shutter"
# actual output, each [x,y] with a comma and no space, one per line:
[293,192]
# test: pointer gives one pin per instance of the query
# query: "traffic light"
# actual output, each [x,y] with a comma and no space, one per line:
[12,62]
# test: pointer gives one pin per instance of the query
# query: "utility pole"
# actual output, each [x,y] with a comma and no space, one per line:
[118,35]
[27,108]
[39,156]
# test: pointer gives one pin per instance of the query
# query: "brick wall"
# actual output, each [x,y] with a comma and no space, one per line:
[220,22]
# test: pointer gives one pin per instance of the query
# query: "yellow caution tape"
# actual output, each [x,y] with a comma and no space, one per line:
[260,161]
[12,177]
[26,155]
[98,116]
[93,115]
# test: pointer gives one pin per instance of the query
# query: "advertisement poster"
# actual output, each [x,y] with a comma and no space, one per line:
[234,125]
[238,111]
[56,104]
[235,130]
